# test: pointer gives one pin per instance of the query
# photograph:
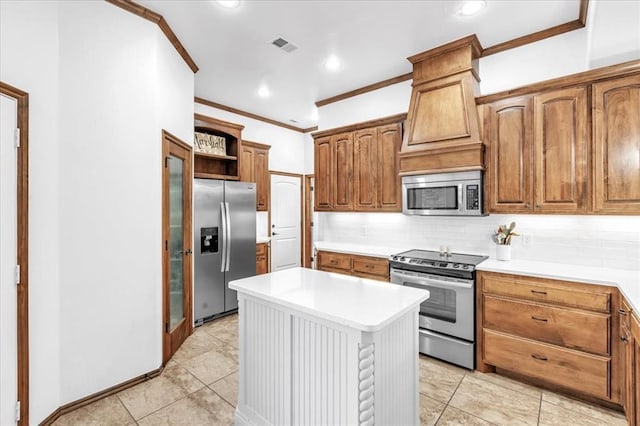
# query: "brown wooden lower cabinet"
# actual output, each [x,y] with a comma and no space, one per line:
[262,258]
[630,362]
[375,268]
[560,334]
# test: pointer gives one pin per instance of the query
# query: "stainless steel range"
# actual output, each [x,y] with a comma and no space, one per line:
[447,318]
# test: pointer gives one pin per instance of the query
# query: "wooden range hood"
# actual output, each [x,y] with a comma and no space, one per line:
[442,132]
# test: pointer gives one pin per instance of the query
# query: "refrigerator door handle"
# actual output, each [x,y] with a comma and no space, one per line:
[228,236]
[223,220]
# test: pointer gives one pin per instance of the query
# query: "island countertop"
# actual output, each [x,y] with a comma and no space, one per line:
[360,303]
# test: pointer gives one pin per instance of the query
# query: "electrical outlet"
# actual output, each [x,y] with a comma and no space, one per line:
[527,240]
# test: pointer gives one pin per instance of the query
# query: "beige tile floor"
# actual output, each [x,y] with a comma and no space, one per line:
[199,387]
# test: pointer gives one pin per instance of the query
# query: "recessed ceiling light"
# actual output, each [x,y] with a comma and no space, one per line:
[471,7]
[264,91]
[228,3]
[332,63]
[314,114]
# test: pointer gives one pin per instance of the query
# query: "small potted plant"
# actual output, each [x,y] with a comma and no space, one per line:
[502,238]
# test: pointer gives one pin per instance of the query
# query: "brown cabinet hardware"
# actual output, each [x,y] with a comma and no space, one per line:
[539,357]
[622,312]
[625,339]
[538,292]
[539,319]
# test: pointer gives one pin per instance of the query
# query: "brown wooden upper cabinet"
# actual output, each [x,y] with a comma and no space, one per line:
[616,132]
[538,153]
[358,170]
[509,155]
[254,167]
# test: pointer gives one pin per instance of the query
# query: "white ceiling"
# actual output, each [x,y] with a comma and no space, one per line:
[372,39]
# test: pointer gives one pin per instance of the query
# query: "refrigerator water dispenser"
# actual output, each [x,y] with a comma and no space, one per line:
[209,240]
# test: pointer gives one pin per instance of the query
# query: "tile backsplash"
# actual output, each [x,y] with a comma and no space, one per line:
[610,241]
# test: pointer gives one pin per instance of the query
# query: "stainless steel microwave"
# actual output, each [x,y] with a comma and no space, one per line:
[443,194]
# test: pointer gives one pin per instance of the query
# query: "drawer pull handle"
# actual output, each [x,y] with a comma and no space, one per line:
[539,319]
[624,339]
[622,312]
[539,357]
[538,292]
[332,261]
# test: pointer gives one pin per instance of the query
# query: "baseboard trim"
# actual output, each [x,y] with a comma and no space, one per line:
[74,405]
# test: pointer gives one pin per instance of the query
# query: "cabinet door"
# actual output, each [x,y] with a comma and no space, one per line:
[616,125]
[364,169]
[628,373]
[560,151]
[323,175]
[263,183]
[388,180]
[246,164]
[510,156]
[343,171]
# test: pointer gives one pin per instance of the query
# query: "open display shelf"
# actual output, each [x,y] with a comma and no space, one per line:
[214,166]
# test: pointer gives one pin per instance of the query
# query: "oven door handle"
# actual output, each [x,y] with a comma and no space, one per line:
[431,281]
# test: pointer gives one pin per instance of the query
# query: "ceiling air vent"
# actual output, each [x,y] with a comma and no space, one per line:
[285,45]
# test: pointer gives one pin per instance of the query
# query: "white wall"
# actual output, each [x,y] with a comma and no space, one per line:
[609,241]
[102,83]
[29,61]
[287,146]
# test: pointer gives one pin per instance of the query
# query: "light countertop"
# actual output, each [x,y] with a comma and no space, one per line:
[262,239]
[627,281]
[363,250]
[359,303]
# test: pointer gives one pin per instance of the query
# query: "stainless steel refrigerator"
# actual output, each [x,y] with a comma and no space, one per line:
[225,242]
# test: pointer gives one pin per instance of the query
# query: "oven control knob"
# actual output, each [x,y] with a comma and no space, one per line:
[465,266]
[456,265]
[394,257]
[402,259]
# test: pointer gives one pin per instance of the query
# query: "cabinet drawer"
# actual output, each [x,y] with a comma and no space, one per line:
[261,249]
[586,331]
[547,292]
[334,261]
[570,369]
[371,266]
[371,276]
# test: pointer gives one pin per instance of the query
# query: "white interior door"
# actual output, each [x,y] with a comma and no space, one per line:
[8,260]
[285,222]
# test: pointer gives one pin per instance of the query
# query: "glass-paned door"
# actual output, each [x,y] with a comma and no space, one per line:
[177,243]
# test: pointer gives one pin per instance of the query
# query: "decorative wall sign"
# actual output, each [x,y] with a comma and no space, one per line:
[209,144]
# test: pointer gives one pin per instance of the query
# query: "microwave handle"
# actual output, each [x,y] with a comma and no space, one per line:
[430,281]
[461,206]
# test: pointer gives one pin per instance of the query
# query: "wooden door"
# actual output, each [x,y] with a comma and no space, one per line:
[323,157]
[177,179]
[343,171]
[389,141]
[616,125]
[247,158]
[14,255]
[510,157]
[261,175]
[365,159]
[560,151]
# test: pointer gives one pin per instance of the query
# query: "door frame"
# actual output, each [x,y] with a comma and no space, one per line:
[308,219]
[167,140]
[299,176]
[22,99]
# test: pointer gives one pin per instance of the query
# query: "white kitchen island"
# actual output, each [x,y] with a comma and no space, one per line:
[324,348]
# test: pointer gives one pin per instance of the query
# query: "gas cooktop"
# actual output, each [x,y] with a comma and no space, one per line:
[434,259]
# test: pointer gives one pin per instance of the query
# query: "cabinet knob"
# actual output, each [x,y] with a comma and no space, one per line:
[538,206]
[622,312]
[625,339]
[527,206]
